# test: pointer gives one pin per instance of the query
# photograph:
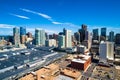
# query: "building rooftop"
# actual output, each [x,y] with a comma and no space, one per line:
[78,60]
[62,77]
[53,72]
[71,73]
[81,58]
[42,74]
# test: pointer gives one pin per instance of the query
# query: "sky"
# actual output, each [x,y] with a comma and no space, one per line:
[54,15]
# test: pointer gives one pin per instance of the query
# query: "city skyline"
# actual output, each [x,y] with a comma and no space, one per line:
[54,15]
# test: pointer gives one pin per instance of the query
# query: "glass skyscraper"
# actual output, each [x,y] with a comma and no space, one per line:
[22,35]
[61,41]
[103,32]
[39,37]
[111,36]
[22,31]
[95,34]
[16,34]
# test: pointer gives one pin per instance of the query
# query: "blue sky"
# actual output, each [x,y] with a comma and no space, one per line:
[54,15]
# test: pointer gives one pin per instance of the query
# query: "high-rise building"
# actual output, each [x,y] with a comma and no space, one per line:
[117,39]
[88,39]
[82,32]
[42,37]
[16,34]
[22,35]
[22,31]
[77,37]
[46,36]
[29,34]
[61,41]
[55,36]
[111,36]
[103,32]
[106,50]
[50,36]
[39,37]
[68,38]
[95,34]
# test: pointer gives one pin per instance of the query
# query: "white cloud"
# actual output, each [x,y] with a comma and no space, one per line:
[54,22]
[50,18]
[37,13]
[20,16]
[6,26]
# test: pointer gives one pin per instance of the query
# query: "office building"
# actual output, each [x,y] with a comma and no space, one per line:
[50,36]
[117,39]
[23,39]
[68,38]
[106,50]
[87,35]
[42,37]
[16,34]
[111,36]
[95,34]
[29,35]
[81,62]
[39,37]
[61,41]
[22,31]
[103,32]
[117,51]
[82,32]
[50,43]
[81,49]
[77,37]
[46,36]
[88,40]
[22,35]
[55,36]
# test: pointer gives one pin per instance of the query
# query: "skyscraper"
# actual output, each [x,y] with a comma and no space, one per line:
[103,32]
[22,31]
[82,32]
[16,35]
[106,50]
[68,38]
[37,37]
[40,37]
[95,34]
[22,34]
[29,34]
[77,37]
[61,41]
[111,36]
[117,39]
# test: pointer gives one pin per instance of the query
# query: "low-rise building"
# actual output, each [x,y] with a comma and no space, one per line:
[51,42]
[81,62]
[82,49]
